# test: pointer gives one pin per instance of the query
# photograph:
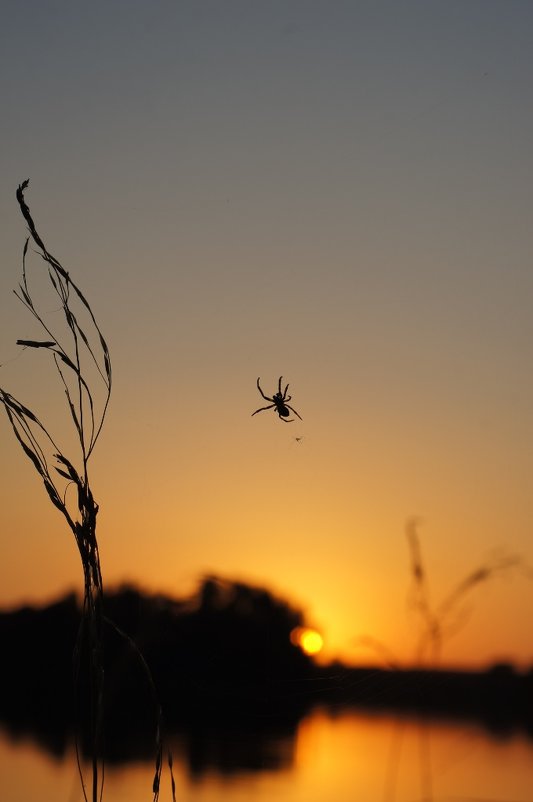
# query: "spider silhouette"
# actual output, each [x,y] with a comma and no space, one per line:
[279,401]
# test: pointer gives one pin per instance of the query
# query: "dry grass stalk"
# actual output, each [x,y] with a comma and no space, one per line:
[442,621]
[81,359]
[70,351]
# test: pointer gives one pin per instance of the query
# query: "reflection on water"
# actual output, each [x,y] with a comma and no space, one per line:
[327,758]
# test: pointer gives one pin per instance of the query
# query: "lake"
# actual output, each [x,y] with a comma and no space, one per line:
[327,757]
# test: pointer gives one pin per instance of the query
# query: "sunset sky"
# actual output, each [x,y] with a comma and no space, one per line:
[336,192]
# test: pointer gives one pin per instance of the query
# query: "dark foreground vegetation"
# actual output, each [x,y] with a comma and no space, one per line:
[220,660]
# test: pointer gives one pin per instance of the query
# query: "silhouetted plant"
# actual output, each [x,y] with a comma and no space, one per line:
[83,367]
[440,622]
[70,349]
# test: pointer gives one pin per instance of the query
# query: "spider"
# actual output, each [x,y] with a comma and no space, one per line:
[279,401]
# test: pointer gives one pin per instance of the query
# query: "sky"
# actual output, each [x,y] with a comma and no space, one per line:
[336,192]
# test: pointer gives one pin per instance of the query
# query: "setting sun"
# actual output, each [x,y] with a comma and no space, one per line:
[308,640]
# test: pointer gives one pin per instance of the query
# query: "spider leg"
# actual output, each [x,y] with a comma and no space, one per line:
[262,393]
[262,408]
[285,392]
[293,410]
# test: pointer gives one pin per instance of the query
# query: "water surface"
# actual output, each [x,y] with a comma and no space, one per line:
[330,757]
